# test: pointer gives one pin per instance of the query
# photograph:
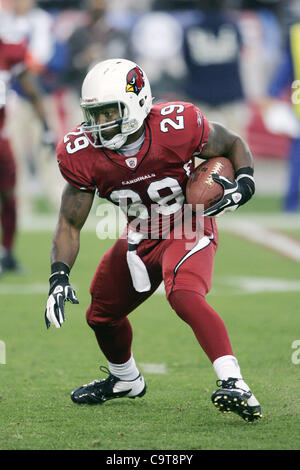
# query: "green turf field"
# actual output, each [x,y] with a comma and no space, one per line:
[43,367]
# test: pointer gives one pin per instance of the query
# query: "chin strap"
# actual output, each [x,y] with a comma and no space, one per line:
[115,143]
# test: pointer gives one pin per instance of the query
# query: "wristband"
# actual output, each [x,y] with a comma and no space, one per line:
[59,267]
[247,170]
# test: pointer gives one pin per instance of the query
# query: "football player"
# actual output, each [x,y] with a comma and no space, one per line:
[13,63]
[138,154]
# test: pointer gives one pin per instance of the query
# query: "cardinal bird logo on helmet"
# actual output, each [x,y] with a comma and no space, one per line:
[135,80]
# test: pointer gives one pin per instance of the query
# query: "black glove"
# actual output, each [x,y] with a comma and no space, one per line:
[60,291]
[236,193]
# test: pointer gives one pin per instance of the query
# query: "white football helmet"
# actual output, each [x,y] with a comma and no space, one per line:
[115,82]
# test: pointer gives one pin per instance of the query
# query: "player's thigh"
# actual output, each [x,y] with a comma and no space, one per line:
[7,167]
[112,293]
[189,266]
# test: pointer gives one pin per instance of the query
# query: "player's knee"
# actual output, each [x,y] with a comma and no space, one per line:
[186,291]
[183,302]
[94,317]
[97,315]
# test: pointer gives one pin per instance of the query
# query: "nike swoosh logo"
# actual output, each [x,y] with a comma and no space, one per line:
[228,202]
[208,211]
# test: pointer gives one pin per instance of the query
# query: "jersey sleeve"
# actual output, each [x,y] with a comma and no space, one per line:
[183,128]
[203,127]
[76,167]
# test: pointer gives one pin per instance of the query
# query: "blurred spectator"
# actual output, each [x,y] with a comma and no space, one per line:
[212,47]
[156,44]
[59,4]
[92,42]
[23,20]
[12,61]
[285,118]
[262,40]
[255,4]
[173,4]
[288,13]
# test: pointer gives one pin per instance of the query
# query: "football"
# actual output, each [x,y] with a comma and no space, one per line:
[201,188]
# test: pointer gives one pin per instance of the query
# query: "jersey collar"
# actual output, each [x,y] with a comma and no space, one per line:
[131,163]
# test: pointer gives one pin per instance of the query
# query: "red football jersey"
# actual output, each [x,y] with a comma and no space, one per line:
[151,184]
[12,57]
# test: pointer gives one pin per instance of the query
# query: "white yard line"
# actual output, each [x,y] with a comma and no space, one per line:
[271,221]
[33,222]
[239,285]
[23,289]
[256,285]
[257,232]
[153,368]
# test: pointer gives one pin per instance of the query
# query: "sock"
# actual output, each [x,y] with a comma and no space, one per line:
[126,371]
[227,366]
[207,325]
[8,222]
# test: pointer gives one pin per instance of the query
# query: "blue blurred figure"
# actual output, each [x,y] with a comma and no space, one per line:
[285,79]
[212,46]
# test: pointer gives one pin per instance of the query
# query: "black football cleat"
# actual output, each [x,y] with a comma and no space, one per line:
[232,397]
[99,391]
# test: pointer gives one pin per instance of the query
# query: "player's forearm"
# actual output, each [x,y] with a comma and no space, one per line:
[240,155]
[65,244]
[75,207]
[225,143]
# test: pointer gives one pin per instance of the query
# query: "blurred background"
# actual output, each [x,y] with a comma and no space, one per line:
[236,59]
